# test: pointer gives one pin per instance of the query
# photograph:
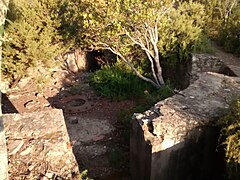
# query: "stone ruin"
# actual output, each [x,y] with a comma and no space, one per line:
[40,146]
[77,60]
[177,138]
[174,140]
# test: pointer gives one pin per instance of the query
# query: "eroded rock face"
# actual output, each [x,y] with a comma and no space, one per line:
[178,123]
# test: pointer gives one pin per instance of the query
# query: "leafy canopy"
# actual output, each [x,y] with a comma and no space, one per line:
[129,26]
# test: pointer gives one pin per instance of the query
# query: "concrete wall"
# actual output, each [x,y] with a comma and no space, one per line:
[194,159]
[141,150]
[182,144]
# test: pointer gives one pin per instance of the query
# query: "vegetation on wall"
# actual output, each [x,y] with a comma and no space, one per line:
[231,140]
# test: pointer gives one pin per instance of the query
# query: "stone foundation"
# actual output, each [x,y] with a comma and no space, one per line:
[176,139]
[39,146]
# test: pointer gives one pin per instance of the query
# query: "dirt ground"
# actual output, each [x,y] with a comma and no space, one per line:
[92,121]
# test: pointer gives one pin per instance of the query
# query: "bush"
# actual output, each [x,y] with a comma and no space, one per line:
[118,82]
[231,140]
[110,24]
[230,36]
[34,39]
[223,23]
[202,45]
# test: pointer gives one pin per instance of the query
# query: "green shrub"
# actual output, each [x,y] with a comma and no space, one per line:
[230,36]
[231,140]
[108,24]
[34,40]
[118,82]
[84,175]
[229,32]
[202,45]
[223,23]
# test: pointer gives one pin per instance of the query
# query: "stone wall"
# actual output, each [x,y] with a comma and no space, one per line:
[39,146]
[177,138]
[208,63]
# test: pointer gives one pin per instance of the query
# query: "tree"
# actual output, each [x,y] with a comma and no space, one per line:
[34,39]
[158,28]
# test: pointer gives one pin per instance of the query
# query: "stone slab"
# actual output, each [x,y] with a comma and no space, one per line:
[39,146]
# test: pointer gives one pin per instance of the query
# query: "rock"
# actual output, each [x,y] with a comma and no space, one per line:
[73,120]
[90,128]
[59,178]
[76,60]
[14,146]
[4,86]
[49,175]
[98,138]
[23,82]
[26,151]
[39,95]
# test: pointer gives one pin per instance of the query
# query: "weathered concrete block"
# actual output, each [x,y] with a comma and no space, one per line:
[176,139]
[39,146]
[3,153]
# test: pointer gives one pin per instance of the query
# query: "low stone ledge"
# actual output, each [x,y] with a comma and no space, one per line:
[39,146]
[175,138]
[209,63]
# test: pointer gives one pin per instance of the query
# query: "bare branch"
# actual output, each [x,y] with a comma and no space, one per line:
[147,41]
[152,68]
[138,43]
[156,32]
[133,68]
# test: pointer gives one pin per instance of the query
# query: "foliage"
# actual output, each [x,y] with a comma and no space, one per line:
[34,38]
[84,175]
[138,26]
[118,82]
[202,45]
[229,36]
[223,22]
[231,135]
